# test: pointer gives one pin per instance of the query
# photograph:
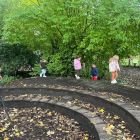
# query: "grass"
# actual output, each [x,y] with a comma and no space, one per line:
[134,61]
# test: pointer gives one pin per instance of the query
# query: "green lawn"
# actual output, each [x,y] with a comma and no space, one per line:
[133,61]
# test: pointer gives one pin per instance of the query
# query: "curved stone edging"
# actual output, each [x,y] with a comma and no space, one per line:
[127,115]
[99,85]
[133,94]
[80,116]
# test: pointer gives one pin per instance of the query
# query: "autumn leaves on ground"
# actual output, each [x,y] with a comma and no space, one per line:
[39,124]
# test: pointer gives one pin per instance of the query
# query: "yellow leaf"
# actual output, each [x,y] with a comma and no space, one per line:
[11,135]
[109,128]
[101,110]
[31,120]
[16,130]
[21,133]
[60,129]
[17,134]
[122,127]
[49,113]
[2,129]
[129,139]
[86,136]
[50,132]
[116,117]
[6,138]
[40,123]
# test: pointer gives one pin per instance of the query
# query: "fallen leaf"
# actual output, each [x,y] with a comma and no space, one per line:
[49,113]
[109,128]
[17,134]
[101,110]
[116,117]
[50,132]
[2,129]
[6,138]
[40,123]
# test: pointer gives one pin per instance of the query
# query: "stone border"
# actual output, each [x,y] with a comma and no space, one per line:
[131,116]
[105,86]
[80,115]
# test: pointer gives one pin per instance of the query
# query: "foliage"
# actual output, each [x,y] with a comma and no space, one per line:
[94,29]
[15,56]
[6,79]
[131,61]
[36,70]
[55,66]
[2,13]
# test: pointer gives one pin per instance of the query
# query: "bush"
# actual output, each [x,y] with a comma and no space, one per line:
[13,57]
[6,79]
[36,70]
[55,66]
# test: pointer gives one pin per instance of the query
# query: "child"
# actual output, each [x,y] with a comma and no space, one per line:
[94,72]
[43,68]
[77,67]
[114,68]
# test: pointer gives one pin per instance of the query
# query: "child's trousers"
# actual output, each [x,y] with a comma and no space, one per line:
[94,78]
[43,72]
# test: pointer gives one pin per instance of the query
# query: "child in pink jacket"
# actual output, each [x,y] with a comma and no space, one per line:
[77,67]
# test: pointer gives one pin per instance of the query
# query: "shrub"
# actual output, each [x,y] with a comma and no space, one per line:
[6,79]
[13,57]
[55,66]
[36,70]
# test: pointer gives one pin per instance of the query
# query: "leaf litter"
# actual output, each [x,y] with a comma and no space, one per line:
[115,126]
[40,124]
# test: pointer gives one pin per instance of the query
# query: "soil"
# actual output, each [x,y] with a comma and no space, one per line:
[115,125]
[39,124]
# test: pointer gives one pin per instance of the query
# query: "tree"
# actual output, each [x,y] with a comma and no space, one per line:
[94,29]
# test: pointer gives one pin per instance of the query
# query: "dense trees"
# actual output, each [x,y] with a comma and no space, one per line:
[94,29]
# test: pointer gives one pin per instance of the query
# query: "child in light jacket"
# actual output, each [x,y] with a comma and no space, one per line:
[77,67]
[114,68]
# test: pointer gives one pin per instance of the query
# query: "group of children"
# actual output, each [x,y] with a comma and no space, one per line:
[113,68]
[77,66]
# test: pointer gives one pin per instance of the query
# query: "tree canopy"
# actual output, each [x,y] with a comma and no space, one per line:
[94,29]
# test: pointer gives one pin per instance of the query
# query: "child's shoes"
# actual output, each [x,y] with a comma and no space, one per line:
[77,77]
[113,82]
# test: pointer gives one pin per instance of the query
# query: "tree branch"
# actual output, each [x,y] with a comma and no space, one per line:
[59,31]
[87,27]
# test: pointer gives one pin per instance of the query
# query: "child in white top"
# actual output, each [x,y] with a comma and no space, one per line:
[114,68]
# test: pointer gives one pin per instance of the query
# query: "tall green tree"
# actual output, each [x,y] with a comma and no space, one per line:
[94,29]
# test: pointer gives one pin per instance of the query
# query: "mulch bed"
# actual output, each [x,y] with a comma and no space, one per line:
[115,126]
[36,123]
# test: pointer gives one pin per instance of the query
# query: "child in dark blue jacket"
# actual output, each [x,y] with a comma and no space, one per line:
[94,72]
